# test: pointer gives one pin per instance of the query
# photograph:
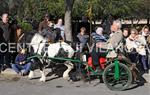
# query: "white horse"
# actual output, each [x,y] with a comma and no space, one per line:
[38,42]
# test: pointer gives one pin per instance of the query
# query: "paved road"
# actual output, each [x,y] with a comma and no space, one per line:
[59,86]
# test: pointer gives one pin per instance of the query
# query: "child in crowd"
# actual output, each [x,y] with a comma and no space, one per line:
[83,38]
[21,65]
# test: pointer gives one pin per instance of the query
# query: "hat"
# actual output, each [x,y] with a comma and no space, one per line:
[99,30]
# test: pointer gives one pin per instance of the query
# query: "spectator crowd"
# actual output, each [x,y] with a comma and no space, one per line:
[136,43]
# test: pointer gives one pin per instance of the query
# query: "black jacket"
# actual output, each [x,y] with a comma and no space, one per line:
[6,31]
[1,36]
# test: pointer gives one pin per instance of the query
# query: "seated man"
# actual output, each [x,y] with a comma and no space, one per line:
[97,38]
[21,66]
[114,40]
[98,35]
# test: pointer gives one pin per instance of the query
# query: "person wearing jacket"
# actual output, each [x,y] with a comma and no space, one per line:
[83,38]
[98,38]
[21,66]
[138,42]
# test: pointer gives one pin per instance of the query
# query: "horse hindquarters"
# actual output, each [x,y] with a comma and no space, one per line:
[69,68]
[69,64]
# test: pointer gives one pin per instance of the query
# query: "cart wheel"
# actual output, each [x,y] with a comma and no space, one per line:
[124,80]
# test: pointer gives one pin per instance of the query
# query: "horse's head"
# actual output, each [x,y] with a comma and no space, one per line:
[38,42]
[52,34]
[37,38]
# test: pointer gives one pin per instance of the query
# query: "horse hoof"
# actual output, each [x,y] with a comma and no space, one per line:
[66,78]
[42,80]
[30,78]
[31,75]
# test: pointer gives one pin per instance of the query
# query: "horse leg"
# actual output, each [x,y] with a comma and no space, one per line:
[43,76]
[69,68]
[31,73]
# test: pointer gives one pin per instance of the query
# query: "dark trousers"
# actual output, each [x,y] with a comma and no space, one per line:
[96,54]
[95,57]
[4,56]
[133,57]
[1,62]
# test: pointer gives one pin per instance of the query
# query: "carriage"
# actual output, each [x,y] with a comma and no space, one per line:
[116,73]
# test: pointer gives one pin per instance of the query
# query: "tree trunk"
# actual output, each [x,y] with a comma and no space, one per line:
[68,18]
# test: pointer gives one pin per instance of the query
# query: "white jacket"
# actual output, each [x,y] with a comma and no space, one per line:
[138,44]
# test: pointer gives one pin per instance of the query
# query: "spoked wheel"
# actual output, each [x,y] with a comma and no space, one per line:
[119,80]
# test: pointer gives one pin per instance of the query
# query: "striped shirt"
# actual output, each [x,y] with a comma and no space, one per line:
[98,38]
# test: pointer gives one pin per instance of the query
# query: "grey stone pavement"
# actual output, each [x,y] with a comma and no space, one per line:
[16,85]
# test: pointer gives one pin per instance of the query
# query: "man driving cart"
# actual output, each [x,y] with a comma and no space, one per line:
[112,43]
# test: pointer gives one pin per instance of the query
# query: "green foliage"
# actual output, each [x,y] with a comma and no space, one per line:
[38,8]
[25,25]
[120,8]
[3,6]
[56,8]
[80,8]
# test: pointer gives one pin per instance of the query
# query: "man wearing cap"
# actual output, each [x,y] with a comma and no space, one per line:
[97,38]
[114,40]
[98,35]
[115,37]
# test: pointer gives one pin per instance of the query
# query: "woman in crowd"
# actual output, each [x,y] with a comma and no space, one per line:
[136,42]
[146,33]
[126,34]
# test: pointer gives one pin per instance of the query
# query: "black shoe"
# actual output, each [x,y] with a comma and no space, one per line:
[146,71]
[136,82]
[24,74]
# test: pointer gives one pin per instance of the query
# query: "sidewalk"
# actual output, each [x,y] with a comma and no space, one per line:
[9,72]
[147,77]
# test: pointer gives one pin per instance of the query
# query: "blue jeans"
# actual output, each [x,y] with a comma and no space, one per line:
[25,68]
[143,60]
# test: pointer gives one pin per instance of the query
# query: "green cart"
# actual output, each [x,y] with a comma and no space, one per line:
[116,74]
